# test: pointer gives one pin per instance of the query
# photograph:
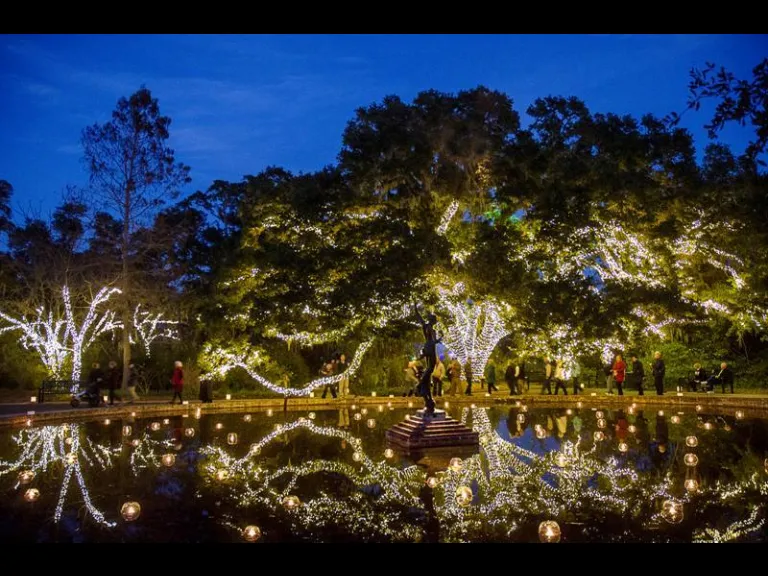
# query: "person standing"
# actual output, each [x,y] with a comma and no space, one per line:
[548,369]
[658,369]
[327,372]
[341,368]
[638,373]
[177,381]
[455,376]
[437,377]
[509,378]
[132,381]
[468,376]
[95,378]
[608,370]
[490,376]
[114,381]
[560,378]
[619,373]
[520,376]
[575,375]
[700,377]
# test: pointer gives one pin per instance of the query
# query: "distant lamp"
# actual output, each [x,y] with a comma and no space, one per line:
[632,429]
[130,511]
[672,511]
[311,415]
[599,415]
[251,533]
[549,532]
[135,442]
[270,412]
[521,418]
[363,411]
[371,423]
[228,396]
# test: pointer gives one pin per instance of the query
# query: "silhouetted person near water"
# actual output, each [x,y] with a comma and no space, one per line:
[659,370]
[638,374]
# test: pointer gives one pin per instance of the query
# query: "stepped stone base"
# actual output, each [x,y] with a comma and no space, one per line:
[421,431]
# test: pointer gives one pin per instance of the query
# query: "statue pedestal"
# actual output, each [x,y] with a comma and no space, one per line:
[421,431]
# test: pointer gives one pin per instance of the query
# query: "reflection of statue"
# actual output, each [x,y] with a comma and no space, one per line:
[429,352]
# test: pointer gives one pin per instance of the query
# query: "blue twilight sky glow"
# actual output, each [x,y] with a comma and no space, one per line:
[241,103]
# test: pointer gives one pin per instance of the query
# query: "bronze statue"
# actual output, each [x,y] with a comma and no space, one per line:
[430,353]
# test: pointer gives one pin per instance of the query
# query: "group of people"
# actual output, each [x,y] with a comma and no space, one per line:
[337,365]
[443,372]
[616,374]
[113,380]
[704,382]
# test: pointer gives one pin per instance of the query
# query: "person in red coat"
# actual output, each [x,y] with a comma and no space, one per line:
[177,381]
[619,372]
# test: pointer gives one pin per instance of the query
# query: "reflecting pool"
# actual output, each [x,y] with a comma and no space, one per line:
[556,474]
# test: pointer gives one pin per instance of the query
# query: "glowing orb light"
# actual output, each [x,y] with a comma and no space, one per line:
[463,496]
[692,441]
[32,495]
[455,464]
[291,502]
[549,532]
[130,511]
[189,432]
[672,511]
[251,533]
[691,459]
[231,438]
[432,482]
[26,477]
[371,423]
[389,453]
[168,460]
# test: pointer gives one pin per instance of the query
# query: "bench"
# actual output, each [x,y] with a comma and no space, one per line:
[56,387]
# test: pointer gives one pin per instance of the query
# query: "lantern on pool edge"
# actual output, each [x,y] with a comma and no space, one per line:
[231,438]
[168,460]
[463,496]
[549,531]
[32,495]
[455,464]
[291,502]
[672,511]
[691,459]
[26,477]
[130,511]
[251,533]
[692,441]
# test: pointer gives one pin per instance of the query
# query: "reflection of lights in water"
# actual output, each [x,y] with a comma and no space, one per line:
[222,474]
[549,532]
[463,496]
[432,482]
[699,408]
[410,404]
[599,436]
[127,430]
[291,502]
[130,511]
[251,533]
[455,464]
[601,423]
[219,425]
[270,412]
[623,447]
[381,408]
[739,415]
[189,432]
[561,460]
[672,511]
[389,453]
[32,495]
[692,485]
[26,477]
[231,438]
[357,456]
[135,442]
[661,413]
[675,419]
[632,429]
[692,441]
[569,412]
[168,460]
[521,418]
[155,426]
[579,404]
[708,425]
[247,418]
[353,407]
[524,408]
[311,415]
[166,421]
[691,459]
[107,422]
[363,411]
[371,423]
[358,416]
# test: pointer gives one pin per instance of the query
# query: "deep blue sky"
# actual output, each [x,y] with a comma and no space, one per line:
[240,103]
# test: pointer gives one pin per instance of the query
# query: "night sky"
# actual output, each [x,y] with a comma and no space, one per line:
[241,103]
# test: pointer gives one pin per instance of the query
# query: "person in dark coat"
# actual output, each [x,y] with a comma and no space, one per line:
[95,378]
[509,378]
[725,377]
[658,369]
[133,379]
[490,376]
[114,380]
[177,381]
[700,377]
[468,376]
[638,374]
[206,393]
